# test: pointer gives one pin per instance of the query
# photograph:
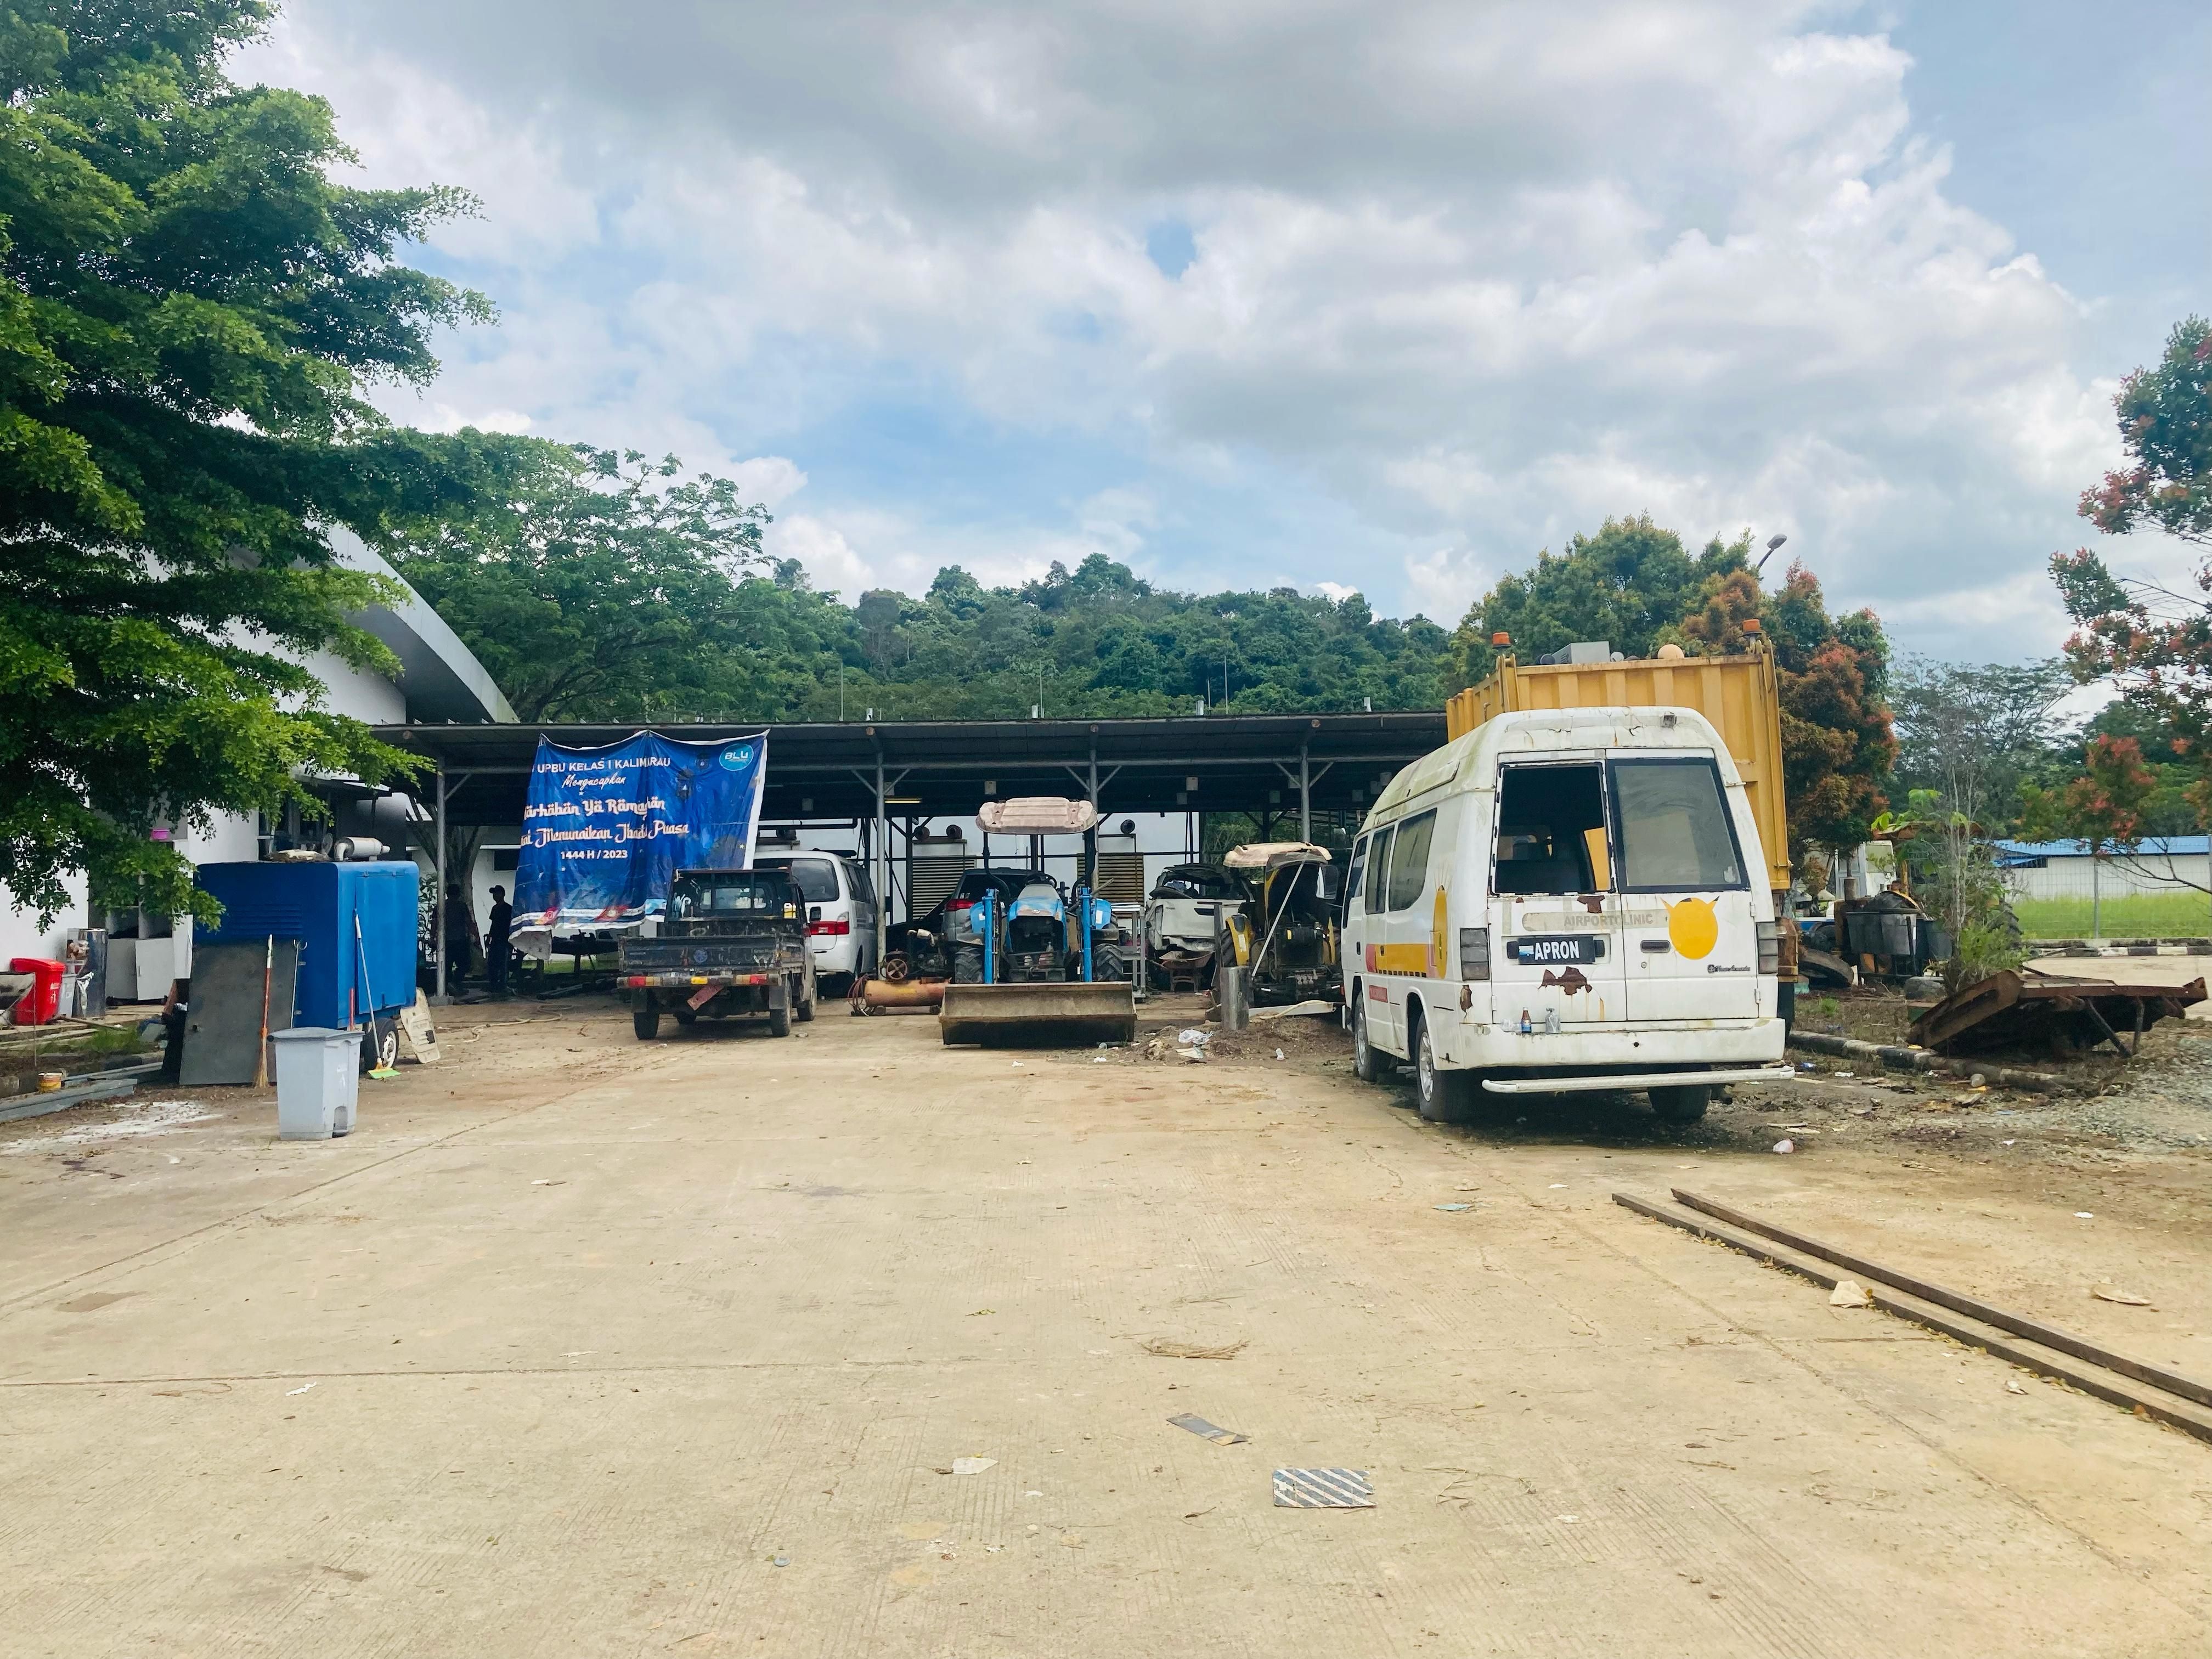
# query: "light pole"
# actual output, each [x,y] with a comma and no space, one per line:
[1772,543]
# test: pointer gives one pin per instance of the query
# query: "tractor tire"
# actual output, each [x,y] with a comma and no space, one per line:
[968,964]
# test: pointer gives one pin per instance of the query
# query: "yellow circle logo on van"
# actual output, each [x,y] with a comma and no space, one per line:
[1693,928]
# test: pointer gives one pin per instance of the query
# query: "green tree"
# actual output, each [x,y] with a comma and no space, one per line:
[593,585]
[1628,585]
[2153,642]
[191,311]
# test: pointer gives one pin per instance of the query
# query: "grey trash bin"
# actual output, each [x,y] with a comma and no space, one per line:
[318,1080]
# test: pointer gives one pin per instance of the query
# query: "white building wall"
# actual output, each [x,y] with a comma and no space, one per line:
[2070,876]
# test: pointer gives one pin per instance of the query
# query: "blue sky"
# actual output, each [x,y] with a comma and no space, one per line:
[1382,296]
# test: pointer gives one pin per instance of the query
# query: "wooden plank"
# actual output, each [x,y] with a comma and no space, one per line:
[2159,1408]
[2050,1336]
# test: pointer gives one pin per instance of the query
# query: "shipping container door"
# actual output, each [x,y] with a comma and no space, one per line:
[1691,930]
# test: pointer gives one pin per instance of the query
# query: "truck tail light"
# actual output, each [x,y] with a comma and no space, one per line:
[1474,953]
[828,929]
[1769,947]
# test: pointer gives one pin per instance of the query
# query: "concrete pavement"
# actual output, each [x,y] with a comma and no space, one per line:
[580,1345]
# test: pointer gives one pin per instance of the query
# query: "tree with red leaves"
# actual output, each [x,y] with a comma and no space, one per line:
[2102,809]
[2153,642]
[1837,742]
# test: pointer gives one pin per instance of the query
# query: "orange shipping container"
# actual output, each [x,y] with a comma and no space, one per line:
[1738,695]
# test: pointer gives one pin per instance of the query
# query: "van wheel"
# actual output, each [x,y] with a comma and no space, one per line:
[646,1022]
[1443,1097]
[1365,1065]
[1684,1104]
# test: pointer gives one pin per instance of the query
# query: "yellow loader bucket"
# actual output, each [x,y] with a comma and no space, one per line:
[1050,1014]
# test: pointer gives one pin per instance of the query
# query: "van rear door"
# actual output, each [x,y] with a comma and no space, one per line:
[1556,924]
[1691,928]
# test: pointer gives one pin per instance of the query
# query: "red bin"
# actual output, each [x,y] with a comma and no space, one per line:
[42,1003]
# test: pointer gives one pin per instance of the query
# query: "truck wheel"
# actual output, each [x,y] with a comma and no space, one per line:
[646,1022]
[1683,1104]
[802,1012]
[779,1021]
[685,1016]
[1366,1064]
[1443,1097]
[968,964]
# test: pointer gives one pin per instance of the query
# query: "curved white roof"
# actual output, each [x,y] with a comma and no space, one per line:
[440,677]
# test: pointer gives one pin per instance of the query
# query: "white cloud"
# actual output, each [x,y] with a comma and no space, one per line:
[1480,274]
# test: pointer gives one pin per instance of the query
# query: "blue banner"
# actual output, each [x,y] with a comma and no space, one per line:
[605,829]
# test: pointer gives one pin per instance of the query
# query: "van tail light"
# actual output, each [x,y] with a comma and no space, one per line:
[1474,953]
[1769,947]
[828,929]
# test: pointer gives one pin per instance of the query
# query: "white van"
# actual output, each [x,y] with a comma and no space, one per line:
[1564,900]
[841,911]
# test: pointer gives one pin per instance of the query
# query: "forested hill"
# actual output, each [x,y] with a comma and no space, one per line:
[1093,641]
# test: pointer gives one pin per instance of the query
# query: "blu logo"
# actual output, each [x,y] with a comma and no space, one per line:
[738,757]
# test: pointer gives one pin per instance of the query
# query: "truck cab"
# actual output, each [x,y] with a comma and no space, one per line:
[733,944]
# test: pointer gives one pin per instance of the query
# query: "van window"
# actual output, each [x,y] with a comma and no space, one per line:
[1550,821]
[856,874]
[1676,833]
[1358,869]
[1409,860]
[1377,896]
[817,877]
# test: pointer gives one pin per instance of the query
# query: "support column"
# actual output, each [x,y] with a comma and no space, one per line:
[883,864]
[1090,840]
[1305,797]
[438,910]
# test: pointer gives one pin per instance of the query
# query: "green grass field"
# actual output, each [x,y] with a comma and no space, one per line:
[2163,916]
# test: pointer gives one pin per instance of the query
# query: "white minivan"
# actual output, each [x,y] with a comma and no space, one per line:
[841,912]
[1565,900]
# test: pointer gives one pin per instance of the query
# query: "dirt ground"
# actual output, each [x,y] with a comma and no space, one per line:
[849,1344]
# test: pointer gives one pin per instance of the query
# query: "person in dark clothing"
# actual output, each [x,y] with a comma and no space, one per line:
[496,948]
[460,935]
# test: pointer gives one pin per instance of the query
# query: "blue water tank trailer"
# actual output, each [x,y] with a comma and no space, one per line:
[317,904]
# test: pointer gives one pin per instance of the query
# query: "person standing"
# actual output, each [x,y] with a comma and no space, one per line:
[460,936]
[497,950]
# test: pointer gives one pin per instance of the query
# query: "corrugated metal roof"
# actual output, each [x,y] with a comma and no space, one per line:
[2150,847]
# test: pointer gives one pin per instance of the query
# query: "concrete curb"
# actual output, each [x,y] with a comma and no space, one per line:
[1898,1057]
[37,1104]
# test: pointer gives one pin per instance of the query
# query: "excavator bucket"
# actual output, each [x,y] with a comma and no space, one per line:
[1049,1014]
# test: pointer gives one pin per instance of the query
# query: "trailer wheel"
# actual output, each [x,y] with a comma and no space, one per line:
[1685,1103]
[646,1022]
[1443,1097]
[1366,1065]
